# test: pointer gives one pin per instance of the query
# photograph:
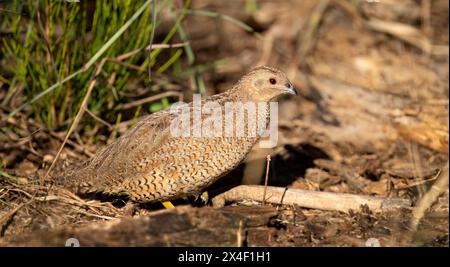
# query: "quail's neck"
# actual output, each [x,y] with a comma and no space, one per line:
[238,94]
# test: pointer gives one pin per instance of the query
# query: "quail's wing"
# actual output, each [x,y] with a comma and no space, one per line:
[147,145]
[118,161]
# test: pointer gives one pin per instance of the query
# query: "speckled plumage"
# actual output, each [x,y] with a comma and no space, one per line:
[147,163]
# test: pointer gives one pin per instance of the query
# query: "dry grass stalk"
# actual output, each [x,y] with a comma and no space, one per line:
[429,198]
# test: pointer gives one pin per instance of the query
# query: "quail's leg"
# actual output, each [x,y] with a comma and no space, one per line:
[204,197]
[129,209]
[168,205]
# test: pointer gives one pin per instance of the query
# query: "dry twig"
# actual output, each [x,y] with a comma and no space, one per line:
[429,198]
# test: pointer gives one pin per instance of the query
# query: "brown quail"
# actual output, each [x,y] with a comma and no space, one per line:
[148,163]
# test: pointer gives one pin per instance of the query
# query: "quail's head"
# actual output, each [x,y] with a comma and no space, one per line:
[265,84]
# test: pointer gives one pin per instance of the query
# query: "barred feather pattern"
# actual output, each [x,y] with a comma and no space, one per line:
[148,164]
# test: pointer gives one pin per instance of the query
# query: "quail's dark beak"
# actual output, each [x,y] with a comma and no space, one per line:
[288,88]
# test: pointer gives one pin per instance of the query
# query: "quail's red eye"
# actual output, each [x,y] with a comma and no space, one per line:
[272,81]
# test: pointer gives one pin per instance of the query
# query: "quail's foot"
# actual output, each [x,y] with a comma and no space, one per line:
[204,198]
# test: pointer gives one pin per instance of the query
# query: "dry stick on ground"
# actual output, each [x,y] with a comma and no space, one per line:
[309,199]
[418,183]
[429,198]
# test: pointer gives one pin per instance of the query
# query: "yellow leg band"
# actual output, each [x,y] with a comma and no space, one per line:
[168,205]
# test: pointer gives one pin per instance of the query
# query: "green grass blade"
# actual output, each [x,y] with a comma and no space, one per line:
[94,59]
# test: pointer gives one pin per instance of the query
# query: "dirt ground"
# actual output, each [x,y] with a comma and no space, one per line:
[371,119]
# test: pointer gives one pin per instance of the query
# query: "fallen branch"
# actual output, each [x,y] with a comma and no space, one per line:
[309,199]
